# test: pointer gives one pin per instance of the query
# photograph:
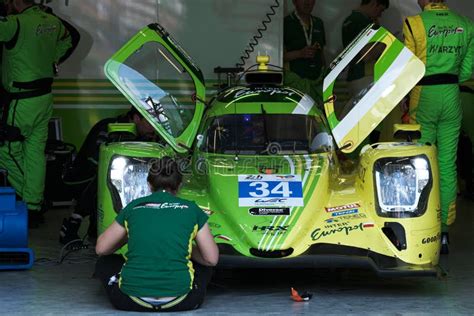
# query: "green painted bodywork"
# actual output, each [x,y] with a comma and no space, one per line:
[212,180]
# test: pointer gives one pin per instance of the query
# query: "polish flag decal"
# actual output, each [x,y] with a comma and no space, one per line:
[368,225]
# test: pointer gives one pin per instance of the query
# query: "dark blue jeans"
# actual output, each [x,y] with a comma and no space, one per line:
[109,266]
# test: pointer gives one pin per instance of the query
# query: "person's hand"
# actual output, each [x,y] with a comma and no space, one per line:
[308,52]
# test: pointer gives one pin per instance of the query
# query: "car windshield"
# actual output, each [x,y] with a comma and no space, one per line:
[272,134]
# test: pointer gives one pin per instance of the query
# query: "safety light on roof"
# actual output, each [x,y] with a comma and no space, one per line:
[263,62]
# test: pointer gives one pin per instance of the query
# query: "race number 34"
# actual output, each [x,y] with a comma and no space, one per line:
[270,190]
[264,189]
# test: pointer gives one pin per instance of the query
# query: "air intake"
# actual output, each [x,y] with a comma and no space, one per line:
[282,253]
[264,78]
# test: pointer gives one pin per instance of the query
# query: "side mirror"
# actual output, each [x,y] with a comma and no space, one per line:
[121,132]
[323,142]
[408,132]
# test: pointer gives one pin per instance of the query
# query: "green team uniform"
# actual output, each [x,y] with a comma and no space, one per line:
[161,229]
[33,42]
[304,74]
[443,40]
[352,26]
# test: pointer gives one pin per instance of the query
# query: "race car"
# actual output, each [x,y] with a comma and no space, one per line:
[269,165]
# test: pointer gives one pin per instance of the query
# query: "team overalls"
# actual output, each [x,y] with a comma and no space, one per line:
[34,41]
[443,41]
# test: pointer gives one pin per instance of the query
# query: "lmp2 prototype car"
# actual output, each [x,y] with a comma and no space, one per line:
[264,161]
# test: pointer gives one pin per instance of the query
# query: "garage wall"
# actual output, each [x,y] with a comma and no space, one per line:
[333,13]
[214,32]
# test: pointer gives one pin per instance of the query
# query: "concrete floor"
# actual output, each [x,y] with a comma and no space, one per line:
[69,289]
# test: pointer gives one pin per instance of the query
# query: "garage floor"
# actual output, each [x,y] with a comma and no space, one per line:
[68,288]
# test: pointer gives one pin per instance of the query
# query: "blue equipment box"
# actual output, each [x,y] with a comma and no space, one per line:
[14,251]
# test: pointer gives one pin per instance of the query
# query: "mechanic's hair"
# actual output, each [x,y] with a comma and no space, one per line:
[385,3]
[28,2]
[164,174]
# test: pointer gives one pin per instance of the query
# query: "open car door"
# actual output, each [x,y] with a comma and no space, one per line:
[389,71]
[160,79]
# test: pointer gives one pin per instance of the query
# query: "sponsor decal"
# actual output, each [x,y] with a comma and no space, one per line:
[286,177]
[207,211]
[445,49]
[163,205]
[100,215]
[319,233]
[348,212]
[45,29]
[342,207]
[273,230]
[266,190]
[269,91]
[444,31]
[336,225]
[266,211]
[214,225]
[431,239]
[351,217]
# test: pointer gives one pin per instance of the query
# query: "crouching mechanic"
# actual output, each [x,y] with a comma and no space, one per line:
[81,177]
[163,270]
[443,40]
[34,43]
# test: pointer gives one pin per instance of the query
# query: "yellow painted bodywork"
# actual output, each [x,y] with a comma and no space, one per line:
[358,187]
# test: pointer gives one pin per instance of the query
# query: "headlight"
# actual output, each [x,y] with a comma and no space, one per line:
[127,180]
[402,186]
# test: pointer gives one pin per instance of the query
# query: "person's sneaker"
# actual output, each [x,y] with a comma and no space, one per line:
[69,229]
[444,243]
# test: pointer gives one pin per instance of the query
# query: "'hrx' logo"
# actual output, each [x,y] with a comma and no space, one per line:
[271,228]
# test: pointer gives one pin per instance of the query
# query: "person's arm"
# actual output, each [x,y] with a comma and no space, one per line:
[114,237]
[468,61]
[205,251]
[75,38]
[304,53]
[72,31]
[8,28]
[409,37]
[323,55]
[64,43]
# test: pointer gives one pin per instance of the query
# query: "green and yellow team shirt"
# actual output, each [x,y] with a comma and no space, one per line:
[352,26]
[294,39]
[160,228]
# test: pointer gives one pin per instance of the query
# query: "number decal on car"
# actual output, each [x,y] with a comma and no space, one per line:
[270,190]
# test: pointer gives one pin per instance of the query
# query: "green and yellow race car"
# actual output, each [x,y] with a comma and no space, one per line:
[267,163]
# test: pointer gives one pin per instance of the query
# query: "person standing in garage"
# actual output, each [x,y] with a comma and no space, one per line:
[34,43]
[304,40]
[443,40]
